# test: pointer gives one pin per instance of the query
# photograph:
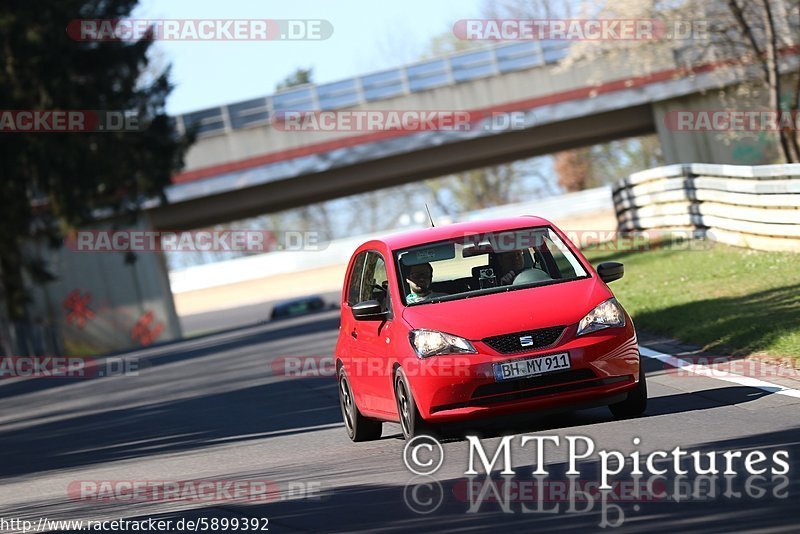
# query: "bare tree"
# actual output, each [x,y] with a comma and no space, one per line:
[574,169]
[750,38]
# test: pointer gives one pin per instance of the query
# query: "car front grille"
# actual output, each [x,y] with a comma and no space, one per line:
[532,339]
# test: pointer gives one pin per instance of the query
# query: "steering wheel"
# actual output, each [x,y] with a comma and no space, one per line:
[529,276]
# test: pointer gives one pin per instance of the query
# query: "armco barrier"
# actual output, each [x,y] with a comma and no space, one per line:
[753,207]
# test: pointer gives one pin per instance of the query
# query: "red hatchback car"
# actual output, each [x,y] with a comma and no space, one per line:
[479,319]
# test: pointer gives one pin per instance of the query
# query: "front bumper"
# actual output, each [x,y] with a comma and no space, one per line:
[604,367]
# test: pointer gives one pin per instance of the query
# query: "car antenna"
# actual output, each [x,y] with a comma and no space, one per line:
[429,215]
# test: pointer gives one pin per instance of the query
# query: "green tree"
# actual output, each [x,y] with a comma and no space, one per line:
[298,77]
[56,181]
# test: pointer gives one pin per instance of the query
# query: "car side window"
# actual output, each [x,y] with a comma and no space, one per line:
[375,281]
[354,288]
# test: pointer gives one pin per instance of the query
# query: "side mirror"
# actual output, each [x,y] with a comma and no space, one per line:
[610,270]
[368,310]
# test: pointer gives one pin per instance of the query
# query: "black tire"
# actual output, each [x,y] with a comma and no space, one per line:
[636,403]
[411,422]
[358,427]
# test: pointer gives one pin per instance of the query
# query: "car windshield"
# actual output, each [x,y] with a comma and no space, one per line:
[478,264]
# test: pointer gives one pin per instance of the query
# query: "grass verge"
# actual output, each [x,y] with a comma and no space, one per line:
[723,298]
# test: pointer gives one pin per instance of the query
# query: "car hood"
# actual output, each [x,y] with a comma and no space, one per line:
[512,311]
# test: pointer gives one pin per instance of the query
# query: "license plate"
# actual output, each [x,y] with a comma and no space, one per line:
[531,366]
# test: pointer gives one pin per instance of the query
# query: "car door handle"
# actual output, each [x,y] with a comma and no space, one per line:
[354,334]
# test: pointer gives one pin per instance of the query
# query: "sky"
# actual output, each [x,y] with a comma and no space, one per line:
[367,36]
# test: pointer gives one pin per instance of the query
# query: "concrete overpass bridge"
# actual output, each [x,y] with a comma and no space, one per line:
[243,166]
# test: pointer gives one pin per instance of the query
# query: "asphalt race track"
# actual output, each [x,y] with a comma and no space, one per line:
[213,408]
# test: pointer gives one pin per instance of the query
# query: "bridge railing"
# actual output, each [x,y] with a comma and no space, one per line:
[754,207]
[421,76]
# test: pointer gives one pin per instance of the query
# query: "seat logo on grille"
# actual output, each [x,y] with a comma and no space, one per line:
[525,341]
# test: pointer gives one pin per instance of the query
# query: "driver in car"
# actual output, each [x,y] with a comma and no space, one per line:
[420,278]
[511,264]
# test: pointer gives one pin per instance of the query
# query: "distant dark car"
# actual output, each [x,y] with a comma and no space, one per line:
[298,307]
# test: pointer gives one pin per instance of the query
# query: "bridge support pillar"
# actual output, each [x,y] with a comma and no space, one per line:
[725,147]
[99,302]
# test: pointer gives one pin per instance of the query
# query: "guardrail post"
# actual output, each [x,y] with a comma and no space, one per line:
[404,81]
[360,91]
[495,63]
[226,118]
[540,50]
[448,67]
[314,97]
[270,110]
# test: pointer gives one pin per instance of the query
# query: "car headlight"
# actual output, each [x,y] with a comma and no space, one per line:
[428,343]
[606,315]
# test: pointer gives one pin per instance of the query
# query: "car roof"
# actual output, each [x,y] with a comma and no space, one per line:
[422,236]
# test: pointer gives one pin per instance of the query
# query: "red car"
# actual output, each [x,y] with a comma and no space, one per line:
[479,319]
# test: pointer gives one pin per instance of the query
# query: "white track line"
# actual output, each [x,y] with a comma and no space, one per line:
[704,370]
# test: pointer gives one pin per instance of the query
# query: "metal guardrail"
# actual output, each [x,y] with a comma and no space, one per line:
[754,207]
[421,76]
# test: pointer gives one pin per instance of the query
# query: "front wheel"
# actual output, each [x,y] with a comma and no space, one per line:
[636,402]
[358,427]
[411,421]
